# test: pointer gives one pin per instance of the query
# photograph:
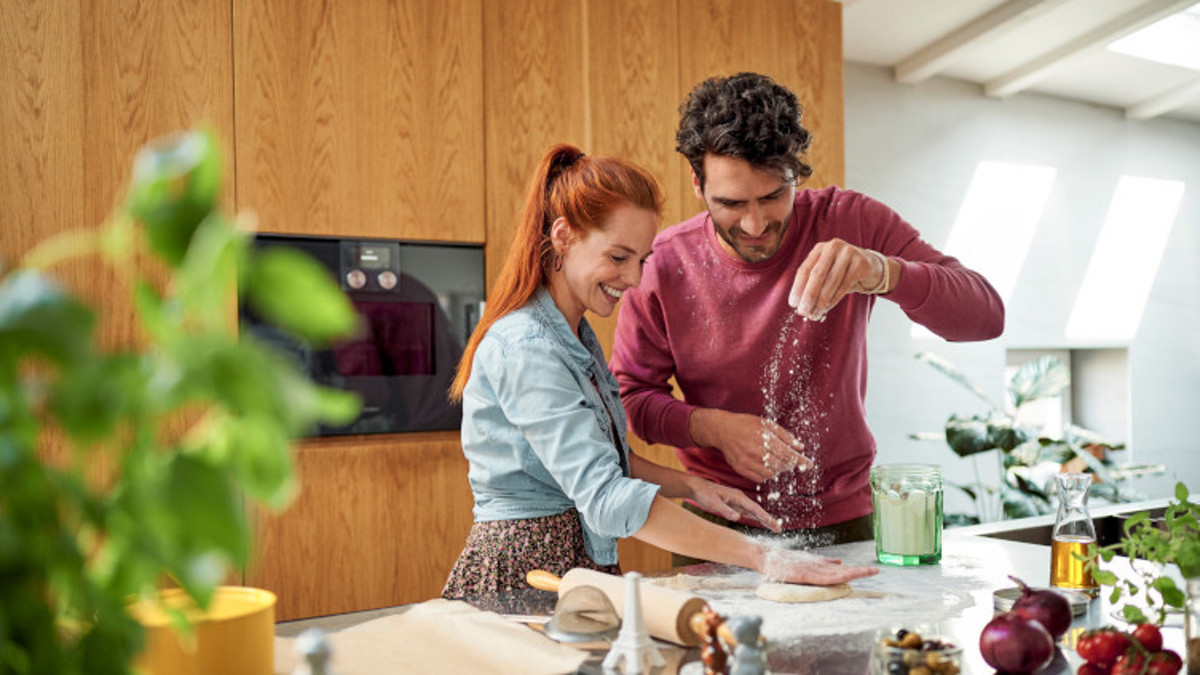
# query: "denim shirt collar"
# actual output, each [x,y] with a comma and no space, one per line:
[579,348]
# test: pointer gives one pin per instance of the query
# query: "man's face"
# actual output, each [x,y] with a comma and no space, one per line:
[750,207]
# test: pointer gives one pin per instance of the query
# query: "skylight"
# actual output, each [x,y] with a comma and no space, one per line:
[994,230]
[1174,41]
[1125,259]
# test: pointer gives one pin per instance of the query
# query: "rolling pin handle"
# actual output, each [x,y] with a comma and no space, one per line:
[542,580]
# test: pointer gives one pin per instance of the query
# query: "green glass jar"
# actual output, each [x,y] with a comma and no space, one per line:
[907,500]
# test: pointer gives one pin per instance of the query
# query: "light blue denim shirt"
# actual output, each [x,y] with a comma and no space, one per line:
[537,435]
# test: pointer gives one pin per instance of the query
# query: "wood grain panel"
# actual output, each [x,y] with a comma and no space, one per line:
[361,118]
[41,113]
[149,69]
[633,68]
[379,521]
[798,43]
[535,97]
[94,82]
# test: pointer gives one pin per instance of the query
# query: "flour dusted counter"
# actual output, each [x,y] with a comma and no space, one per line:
[952,599]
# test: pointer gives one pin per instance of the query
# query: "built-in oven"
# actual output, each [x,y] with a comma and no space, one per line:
[418,303]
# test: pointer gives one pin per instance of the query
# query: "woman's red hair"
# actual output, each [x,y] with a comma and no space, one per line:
[567,184]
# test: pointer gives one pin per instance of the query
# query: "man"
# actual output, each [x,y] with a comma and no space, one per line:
[758,307]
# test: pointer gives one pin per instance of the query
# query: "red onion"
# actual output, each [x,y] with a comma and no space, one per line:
[1047,607]
[1012,644]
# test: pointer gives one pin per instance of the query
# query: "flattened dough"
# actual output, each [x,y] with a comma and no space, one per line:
[800,592]
[688,582]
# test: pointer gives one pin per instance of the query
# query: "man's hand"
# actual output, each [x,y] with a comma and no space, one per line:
[832,269]
[754,447]
[800,567]
[730,503]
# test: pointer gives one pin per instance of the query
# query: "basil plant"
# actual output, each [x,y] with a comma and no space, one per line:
[123,469]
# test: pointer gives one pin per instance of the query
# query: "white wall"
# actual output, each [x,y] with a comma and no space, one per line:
[916,148]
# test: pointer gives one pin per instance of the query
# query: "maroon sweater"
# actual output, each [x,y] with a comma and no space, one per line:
[722,327]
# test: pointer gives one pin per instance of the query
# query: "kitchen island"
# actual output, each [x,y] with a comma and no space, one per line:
[952,599]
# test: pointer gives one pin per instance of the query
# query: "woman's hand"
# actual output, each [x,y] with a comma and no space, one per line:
[730,503]
[801,567]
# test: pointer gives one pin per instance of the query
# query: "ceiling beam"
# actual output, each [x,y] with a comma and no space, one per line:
[1165,102]
[937,56]
[1028,74]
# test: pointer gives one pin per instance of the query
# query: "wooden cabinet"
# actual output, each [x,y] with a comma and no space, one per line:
[85,85]
[361,118]
[379,521]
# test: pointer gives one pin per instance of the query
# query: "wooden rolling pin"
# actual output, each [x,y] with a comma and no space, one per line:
[668,614]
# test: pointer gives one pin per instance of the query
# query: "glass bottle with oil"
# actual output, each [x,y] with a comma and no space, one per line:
[1073,533]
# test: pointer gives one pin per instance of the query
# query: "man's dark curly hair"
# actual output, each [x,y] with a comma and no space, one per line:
[748,116]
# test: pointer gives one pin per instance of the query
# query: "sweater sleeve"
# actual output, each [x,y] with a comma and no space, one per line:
[934,290]
[644,364]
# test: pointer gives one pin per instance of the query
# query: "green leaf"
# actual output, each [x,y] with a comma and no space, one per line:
[950,370]
[1170,592]
[175,184]
[1105,578]
[261,458]
[38,317]
[90,399]
[207,278]
[295,292]
[1136,519]
[1133,615]
[150,309]
[204,506]
[1045,377]
[1181,492]
[237,375]
[337,407]
[968,436]
[1004,435]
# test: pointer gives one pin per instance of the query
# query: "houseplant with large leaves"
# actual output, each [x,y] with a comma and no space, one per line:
[1028,455]
[123,469]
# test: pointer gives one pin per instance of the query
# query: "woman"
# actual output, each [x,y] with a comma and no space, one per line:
[554,481]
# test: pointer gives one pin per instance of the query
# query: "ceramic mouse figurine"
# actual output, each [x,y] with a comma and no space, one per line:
[314,651]
[750,655]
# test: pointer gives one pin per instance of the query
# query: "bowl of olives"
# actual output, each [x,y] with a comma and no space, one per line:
[903,651]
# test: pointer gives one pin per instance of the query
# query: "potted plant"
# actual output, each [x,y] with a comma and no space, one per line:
[124,469]
[1028,456]
[1151,544]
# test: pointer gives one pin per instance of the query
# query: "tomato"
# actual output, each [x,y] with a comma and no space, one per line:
[1149,635]
[1092,669]
[1156,663]
[1102,646]
[1130,663]
[1165,662]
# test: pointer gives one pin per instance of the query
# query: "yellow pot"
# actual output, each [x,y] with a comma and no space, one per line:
[235,636]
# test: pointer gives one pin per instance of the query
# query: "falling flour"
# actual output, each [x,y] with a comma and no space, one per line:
[786,387]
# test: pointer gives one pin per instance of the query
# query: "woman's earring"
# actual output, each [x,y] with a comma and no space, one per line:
[558,257]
